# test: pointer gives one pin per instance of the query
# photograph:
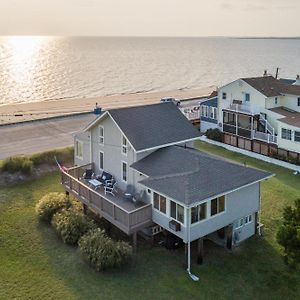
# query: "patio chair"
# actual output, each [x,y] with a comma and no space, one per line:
[130,191]
[104,178]
[110,187]
[88,174]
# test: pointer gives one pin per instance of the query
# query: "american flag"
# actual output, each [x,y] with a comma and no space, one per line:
[62,168]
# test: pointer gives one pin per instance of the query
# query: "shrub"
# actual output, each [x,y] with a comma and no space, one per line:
[102,252]
[288,234]
[71,225]
[17,163]
[47,157]
[214,134]
[51,204]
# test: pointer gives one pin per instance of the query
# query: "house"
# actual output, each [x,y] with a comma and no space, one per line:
[190,108]
[209,112]
[177,188]
[261,114]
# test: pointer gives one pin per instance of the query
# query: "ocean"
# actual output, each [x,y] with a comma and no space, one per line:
[53,68]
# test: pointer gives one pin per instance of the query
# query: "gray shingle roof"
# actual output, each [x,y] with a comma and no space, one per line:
[153,125]
[271,87]
[189,176]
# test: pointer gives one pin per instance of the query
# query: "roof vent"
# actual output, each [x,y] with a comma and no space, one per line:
[297,82]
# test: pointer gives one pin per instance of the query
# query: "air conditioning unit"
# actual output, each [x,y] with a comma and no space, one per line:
[175,226]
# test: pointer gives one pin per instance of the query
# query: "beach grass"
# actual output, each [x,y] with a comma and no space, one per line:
[35,264]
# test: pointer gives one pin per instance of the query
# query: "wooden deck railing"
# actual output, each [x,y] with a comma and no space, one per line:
[128,221]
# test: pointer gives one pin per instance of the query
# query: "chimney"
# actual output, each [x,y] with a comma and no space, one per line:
[266,73]
[297,82]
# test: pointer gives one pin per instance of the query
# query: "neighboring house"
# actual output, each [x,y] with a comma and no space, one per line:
[261,109]
[209,112]
[176,188]
[190,108]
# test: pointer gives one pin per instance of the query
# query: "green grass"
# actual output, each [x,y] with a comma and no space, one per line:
[35,264]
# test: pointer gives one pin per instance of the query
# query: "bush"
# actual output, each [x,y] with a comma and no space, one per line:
[288,234]
[51,204]
[47,157]
[214,134]
[17,163]
[102,252]
[71,225]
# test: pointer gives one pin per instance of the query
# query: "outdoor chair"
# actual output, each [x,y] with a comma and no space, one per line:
[88,174]
[130,191]
[110,187]
[104,178]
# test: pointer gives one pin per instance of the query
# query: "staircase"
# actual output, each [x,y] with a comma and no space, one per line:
[269,132]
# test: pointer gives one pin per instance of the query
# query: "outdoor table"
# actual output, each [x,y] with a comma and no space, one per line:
[95,183]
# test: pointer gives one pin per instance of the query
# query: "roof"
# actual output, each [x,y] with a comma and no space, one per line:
[290,117]
[190,176]
[214,94]
[272,87]
[287,81]
[151,126]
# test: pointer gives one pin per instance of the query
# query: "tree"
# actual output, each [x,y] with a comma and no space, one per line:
[288,234]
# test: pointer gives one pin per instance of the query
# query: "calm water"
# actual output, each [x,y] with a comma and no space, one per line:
[42,68]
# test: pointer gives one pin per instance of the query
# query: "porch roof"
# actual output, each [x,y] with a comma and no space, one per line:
[190,176]
[290,117]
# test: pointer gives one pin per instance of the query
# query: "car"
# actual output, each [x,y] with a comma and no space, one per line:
[169,99]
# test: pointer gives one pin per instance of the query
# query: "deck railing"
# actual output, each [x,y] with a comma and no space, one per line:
[242,108]
[128,221]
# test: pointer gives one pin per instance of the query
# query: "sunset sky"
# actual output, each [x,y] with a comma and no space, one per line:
[150,17]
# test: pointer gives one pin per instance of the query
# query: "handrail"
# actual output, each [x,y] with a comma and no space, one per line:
[79,167]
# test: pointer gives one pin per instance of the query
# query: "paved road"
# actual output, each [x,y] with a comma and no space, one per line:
[40,136]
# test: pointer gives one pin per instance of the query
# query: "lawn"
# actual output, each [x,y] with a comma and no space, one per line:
[35,264]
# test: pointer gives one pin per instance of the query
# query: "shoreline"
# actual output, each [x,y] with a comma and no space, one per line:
[29,111]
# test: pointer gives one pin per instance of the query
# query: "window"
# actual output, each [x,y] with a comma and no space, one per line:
[217,205]
[215,113]
[101,134]
[160,202]
[224,96]
[298,101]
[177,212]
[297,136]
[244,221]
[101,160]
[124,171]
[276,100]
[198,213]
[286,134]
[79,149]
[124,145]
[212,112]
[202,110]
[247,219]
[247,97]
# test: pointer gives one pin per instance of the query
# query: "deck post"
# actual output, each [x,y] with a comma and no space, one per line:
[134,242]
[200,251]
[84,208]
[229,230]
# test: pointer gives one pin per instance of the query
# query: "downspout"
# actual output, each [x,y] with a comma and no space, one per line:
[194,277]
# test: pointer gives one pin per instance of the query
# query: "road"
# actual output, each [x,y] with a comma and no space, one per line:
[38,136]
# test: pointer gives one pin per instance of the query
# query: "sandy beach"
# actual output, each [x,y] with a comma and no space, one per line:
[13,113]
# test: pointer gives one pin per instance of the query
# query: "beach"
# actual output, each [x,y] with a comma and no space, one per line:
[20,112]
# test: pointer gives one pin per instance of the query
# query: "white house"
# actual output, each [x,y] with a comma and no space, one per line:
[161,180]
[263,109]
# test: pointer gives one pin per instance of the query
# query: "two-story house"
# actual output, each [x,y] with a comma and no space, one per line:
[188,193]
[209,112]
[264,110]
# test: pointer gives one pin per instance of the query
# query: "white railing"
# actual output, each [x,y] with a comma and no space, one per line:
[265,137]
[191,113]
[244,109]
[268,127]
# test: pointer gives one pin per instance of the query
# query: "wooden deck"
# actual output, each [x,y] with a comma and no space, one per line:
[126,215]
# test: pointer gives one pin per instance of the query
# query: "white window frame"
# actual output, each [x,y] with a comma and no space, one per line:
[221,212]
[124,163]
[159,203]
[101,137]
[287,134]
[101,152]
[124,148]
[77,142]
[176,219]
[206,215]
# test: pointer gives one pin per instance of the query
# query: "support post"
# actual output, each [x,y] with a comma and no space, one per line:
[236,124]
[134,242]
[200,251]
[229,231]
[84,209]
[256,222]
